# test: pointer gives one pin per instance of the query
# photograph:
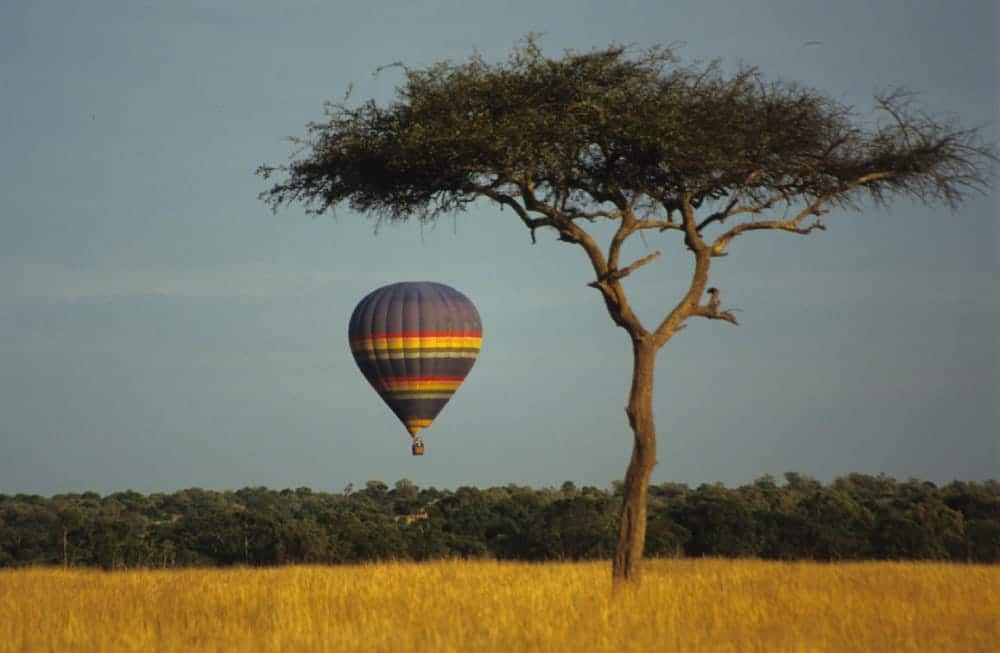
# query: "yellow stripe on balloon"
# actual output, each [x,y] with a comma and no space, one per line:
[429,342]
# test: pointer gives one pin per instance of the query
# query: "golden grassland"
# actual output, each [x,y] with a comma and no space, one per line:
[682,605]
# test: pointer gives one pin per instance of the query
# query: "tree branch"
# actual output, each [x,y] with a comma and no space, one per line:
[691,236]
[506,200]
[794,225]
[783,194]
[606,271]
[662,225]
[719,246]
[688,304]
[574,213]
[720,216]
[713,314]
[610,288]
[615,275]
[625,229]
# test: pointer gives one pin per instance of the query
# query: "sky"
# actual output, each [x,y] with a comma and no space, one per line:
[160,328]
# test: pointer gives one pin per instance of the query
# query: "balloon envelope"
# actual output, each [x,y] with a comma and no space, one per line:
[415,342]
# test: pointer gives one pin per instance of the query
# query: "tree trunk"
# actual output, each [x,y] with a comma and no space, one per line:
[632,533]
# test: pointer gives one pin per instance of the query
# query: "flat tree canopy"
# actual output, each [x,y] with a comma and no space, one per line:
[616,126]
[636,138]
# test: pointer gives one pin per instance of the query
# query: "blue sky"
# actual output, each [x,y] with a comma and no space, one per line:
[160,328]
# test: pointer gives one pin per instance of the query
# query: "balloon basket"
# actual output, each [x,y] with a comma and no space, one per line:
[418,448]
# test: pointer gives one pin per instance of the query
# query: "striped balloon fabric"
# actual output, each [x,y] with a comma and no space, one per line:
[415,342]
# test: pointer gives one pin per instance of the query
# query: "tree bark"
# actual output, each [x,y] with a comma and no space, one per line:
[632,534]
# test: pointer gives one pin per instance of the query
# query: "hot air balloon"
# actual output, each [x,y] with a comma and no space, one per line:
[415,342]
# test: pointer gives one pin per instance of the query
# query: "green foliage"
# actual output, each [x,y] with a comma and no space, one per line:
[616,125]
[855,517]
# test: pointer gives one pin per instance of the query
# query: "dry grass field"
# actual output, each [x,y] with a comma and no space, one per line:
[682,605]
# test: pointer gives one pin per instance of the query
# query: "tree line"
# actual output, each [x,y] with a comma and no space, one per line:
[855,517]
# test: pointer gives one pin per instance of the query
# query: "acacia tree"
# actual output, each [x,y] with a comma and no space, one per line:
[638,139]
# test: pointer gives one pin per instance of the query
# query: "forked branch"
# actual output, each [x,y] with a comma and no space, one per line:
[794,225]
